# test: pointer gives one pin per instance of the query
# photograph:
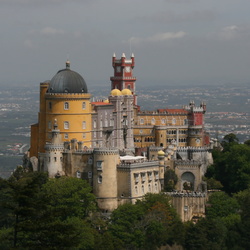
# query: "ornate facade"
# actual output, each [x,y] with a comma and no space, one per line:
[122,151]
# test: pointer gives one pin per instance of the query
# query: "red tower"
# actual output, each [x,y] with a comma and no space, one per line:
[123,74]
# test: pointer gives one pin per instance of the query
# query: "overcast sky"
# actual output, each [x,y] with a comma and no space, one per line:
[175,42]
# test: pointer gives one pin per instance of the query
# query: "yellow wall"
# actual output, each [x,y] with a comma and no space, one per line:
[75,115]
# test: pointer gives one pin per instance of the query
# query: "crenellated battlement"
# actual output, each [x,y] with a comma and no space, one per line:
[106,151]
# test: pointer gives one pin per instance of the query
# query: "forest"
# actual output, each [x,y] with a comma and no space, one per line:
[41,213]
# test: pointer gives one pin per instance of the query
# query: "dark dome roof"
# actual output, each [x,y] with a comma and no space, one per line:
[67,81]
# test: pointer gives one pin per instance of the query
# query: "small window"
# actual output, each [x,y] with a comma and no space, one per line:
[89,174]
[99,165]
[84,135]
[153,121]
[50,105]
[84,105]
[141,121]
[66,136]
[149,188]
[83,125]
[55,159]
[99,178]
[78,174]
[173,121]
[66,125]
[94,124]
[156,187]
[136,190]
[66,106]
[142,189]
[49,125]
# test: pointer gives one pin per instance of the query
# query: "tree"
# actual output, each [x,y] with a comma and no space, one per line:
[222,206]
[150,223]
[232,168]
[170,180]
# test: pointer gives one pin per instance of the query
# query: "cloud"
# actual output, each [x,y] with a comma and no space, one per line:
[159,37]
[231,32]
[51,31]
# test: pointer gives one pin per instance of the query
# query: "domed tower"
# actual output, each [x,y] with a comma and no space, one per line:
[66,99]
[123,119]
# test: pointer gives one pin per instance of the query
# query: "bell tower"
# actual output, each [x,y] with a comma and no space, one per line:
[123,74]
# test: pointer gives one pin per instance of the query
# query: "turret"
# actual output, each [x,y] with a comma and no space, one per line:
[53,153]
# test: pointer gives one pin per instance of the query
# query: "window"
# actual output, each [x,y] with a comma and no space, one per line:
[66,125]
[66,136]
[141,121]
[173,121]
[99,165]
[78,174]
[83,125]
[142,189]
[94,124]
[106,122]
[84,135]
[156,187]
[66,106]
[94,134]
[89,174]
[50,105]
[149,188]
[55,159]
[49,125]
[99,178]
[84,105]
[136,190]
[153,121]
[163,121]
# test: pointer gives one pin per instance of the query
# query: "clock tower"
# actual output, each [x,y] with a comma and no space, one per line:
[123,74]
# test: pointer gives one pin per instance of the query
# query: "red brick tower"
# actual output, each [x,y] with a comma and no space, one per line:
[123,74]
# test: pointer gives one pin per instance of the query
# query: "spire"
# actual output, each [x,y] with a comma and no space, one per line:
[123,55]
[132,55]
[67,64]
[114,55]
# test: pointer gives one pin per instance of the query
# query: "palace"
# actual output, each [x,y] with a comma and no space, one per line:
[121,150]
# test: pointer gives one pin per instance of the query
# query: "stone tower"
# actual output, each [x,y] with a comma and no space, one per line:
[105,177]
[53,154]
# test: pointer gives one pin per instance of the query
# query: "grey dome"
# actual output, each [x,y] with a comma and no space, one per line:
[67,81]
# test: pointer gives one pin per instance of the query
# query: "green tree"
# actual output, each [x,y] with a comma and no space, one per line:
[170,180]
[232,168]
[222,206]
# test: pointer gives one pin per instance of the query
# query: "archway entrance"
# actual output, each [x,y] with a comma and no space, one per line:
[187,181]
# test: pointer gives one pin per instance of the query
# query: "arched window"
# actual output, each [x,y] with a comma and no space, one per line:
[99,178]
[66,106]
[66,125]
[84,125]
[94,124]
[173,121]
[84,105]
[141,121]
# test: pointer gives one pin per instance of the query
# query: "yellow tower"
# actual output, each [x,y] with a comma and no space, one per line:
[66,99]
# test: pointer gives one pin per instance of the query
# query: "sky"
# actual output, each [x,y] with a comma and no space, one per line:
[175,42]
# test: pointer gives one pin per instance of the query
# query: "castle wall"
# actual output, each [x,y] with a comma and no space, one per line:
[189,206]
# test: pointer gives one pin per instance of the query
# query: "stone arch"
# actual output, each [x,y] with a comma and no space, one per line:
[187,181]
